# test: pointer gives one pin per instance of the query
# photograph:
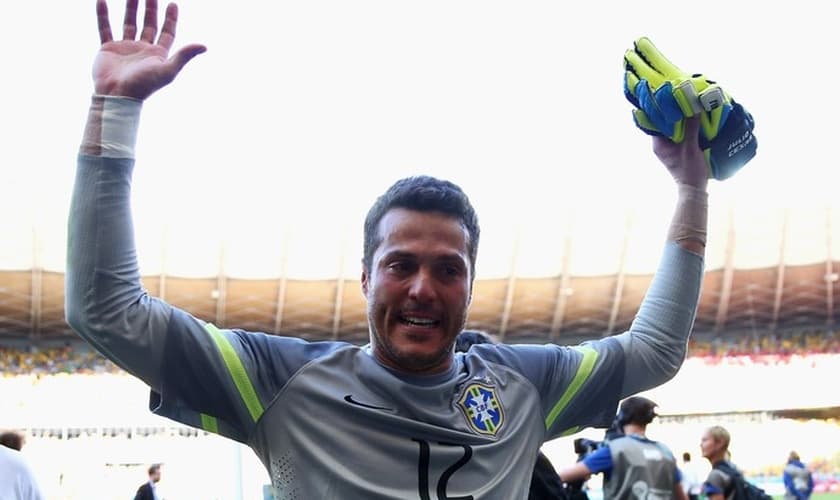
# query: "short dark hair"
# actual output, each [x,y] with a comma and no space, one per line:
[424,194]
[12,439]
[469,338]
[154,468]
[686,456]
[637,410]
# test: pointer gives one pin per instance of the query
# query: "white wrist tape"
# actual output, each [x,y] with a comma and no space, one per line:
[111,129]
[690,217]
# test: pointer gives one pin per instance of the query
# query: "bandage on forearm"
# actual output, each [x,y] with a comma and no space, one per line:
[111,129]
[690,217]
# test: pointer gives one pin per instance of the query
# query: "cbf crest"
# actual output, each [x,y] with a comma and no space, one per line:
[482,407]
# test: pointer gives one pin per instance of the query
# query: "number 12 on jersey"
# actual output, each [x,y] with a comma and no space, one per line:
[423,470]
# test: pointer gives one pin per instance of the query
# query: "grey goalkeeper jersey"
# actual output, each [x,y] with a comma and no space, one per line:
[326,419]
[329,421]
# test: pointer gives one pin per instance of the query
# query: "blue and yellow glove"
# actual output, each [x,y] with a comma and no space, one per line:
[664,96]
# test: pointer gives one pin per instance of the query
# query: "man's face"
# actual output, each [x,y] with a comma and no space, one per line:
[155,476]
[417,289]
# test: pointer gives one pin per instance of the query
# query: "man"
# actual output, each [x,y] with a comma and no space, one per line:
[692,485]
[402,417]
[13,439]
[17,482]
[148,490]
[633,465]
[799,483]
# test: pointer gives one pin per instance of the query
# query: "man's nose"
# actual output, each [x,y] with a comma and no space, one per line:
[422,286]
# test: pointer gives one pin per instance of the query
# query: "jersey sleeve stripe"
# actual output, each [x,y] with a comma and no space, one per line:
[570,431]
[209,424]
[237,372]
[584,370]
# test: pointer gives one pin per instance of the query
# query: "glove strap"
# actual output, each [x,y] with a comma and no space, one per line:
[712,98]
[687,98]
[691,103]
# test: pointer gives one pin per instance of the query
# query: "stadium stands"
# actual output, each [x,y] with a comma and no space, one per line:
[54,393]
[76,357]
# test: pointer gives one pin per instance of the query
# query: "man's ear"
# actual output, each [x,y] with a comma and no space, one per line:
[364,281]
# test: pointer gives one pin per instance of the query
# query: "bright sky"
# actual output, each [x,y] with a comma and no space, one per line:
[300,113]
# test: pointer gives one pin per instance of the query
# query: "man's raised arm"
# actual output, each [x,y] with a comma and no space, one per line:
[656,344]
[105,302]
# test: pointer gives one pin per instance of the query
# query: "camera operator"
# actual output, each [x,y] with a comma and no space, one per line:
[634,466]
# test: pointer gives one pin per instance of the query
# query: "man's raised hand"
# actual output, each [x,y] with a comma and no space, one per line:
[685,161]
[138,68]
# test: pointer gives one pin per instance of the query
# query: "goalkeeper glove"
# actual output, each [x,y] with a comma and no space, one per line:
[664,96]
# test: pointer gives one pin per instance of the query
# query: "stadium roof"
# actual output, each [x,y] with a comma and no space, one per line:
[792,285]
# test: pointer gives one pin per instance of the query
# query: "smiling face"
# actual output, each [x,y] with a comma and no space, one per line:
[417,289]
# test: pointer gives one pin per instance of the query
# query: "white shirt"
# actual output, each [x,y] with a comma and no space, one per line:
[691,483]
[16,479]
[153,486]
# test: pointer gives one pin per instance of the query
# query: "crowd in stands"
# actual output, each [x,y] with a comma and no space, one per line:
[801,344]
[52,360]
[75,358]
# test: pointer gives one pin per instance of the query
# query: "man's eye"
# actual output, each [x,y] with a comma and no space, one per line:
[398,266]
[452,270]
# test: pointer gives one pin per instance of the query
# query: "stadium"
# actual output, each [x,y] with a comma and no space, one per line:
[761,362]
[258,226]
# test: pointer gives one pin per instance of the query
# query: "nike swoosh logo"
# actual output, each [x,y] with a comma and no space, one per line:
[349,399]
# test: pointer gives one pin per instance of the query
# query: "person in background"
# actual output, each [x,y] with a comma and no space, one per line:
[633,465]
[13,439]
[148,490]
[799,483]
[690,478]
[17,481]
[714,444]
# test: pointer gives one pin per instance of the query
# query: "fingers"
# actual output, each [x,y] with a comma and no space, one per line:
[631,81]
[167,34]
[102,21]
[149,22]
[634,63]
[648,51]
[150,26]
[130,20]
[659,113]
[644,123]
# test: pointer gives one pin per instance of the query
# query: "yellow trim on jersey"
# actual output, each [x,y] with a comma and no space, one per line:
[584,370]
[237,372]
[209,424]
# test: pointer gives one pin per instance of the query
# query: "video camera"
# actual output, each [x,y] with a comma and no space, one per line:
[584,447]
[573,490]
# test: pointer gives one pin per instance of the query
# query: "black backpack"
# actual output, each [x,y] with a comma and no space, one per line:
[744,490]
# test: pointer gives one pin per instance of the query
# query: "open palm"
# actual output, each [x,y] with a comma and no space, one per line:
[137,68]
